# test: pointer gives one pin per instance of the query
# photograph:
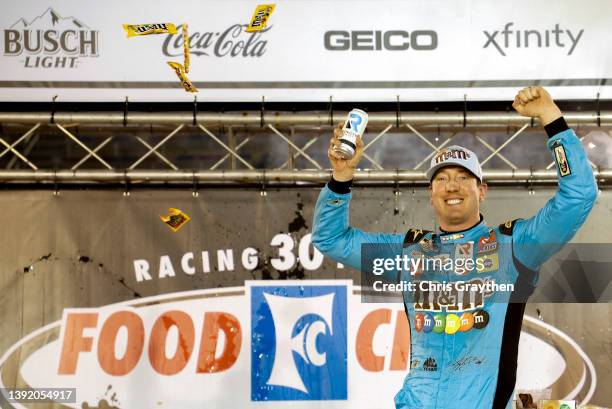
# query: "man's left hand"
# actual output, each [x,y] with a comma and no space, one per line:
[536,102]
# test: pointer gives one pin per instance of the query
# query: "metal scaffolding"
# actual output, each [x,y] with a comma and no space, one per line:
[278,124]
[282,118]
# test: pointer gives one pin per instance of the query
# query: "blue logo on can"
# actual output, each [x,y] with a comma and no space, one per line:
[299,342]
[356,122]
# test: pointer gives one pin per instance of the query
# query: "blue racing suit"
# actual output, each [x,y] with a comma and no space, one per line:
[464,347]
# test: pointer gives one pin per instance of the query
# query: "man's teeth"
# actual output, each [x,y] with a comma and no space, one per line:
[454,201]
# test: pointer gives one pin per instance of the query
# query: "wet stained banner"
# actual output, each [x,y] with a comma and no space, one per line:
[221,300]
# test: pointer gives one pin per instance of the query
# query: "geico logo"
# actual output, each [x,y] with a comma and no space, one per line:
[400,351]
[392,40]
[75,342]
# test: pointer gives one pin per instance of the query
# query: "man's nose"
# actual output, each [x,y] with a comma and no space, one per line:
[452,186]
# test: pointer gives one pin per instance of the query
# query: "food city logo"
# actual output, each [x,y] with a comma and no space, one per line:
[50,41]
[194,342]
[298,343]
[510,38]
[231,42]
[194,347]
[376,40]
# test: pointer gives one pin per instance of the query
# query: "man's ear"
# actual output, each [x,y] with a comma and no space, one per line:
[483,191]
[430,198]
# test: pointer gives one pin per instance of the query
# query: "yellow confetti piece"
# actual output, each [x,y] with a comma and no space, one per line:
[175,220]
[146,29]
[180,72]
[260,17]
[185,48]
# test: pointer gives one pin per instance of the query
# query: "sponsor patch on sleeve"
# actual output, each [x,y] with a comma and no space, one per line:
[561,159]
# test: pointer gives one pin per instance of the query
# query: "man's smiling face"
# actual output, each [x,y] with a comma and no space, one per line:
[455,195]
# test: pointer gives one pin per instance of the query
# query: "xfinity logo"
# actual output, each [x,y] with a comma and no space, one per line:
[299,349]
[392,40]
[508,38]
[50,41]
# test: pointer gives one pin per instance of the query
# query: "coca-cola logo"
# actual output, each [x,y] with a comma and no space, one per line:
[232,42]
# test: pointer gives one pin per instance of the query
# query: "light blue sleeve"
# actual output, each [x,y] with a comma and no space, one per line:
[536,239]
[335,238]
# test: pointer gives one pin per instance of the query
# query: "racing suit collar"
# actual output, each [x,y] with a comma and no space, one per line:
[457,235]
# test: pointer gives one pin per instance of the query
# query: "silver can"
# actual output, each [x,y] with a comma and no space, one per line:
[354,126]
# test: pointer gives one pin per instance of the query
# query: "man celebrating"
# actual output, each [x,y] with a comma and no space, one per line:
[464,349]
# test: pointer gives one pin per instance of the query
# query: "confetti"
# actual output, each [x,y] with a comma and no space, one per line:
[176,219]
[260,17]
[180,72]
[146,29]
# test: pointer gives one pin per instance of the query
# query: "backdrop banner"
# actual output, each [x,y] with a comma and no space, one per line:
[310,50]
[236,308]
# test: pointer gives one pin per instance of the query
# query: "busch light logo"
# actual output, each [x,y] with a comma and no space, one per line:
[299,342]
[50,41]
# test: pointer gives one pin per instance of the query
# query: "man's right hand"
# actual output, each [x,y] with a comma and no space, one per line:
[343,170]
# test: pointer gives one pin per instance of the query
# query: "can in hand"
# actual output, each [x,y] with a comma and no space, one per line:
[354,126]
